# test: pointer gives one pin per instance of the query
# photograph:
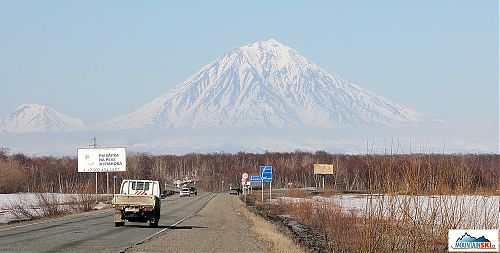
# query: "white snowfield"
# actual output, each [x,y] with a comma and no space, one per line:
[39,118]
[265,84]
[32,204]
[466,211]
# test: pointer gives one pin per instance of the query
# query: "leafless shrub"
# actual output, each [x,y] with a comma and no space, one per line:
[49,205]
[396,223]
[297,193]
[42,205]
[22,209]
[81,202]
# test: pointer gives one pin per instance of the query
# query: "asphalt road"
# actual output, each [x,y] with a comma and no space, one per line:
[221,226]
[96,232]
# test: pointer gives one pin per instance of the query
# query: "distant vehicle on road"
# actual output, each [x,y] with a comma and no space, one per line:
[234,191]
[185,192]
[138,201]
[167,193]
[193,190]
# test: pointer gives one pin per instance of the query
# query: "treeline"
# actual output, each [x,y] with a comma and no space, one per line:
[415,173]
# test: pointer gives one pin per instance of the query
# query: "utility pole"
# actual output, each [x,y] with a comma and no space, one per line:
[94,145]
[245,192]
[114,181]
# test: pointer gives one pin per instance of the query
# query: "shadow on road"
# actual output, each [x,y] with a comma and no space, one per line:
[164,226]
[185,227]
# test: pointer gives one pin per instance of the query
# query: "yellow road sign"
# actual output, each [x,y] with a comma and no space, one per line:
[323,169]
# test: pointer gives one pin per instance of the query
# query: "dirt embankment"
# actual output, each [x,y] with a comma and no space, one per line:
[307,237]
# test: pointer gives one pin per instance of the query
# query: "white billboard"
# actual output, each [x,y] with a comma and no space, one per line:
[102,159]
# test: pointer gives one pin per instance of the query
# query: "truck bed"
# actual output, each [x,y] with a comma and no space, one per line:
[134,200]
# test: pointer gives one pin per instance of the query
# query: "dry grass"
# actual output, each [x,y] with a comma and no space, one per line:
[297,193]
[82,202]
[45,205]
[396,223]
[267,232]
[330,191]
[48,205]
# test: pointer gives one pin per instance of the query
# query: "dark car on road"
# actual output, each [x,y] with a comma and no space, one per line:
[193,190]
[234,191]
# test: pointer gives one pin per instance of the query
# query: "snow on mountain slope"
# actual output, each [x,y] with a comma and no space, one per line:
[265,84]
[38,118]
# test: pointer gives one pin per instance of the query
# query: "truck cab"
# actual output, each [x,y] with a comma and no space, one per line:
[140,187]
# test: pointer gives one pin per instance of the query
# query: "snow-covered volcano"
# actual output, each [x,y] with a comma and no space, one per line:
[265,84]
[38,118]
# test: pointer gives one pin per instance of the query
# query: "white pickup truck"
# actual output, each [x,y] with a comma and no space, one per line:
[138,201]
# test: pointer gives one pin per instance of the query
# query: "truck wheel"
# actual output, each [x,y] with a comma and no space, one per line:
[154,224]
[119,224]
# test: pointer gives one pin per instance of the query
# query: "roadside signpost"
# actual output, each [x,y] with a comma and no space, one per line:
[102,159]
[254,179]
[243,182]
[323,169]
[244,177]
[266,175]
[96,159]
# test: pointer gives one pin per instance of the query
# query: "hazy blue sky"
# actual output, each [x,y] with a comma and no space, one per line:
[98,59]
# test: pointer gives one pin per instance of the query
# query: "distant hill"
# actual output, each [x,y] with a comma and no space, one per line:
[39,118]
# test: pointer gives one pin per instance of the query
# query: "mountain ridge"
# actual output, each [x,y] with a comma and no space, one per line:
[39,118]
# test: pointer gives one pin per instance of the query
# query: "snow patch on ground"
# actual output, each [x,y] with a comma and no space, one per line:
[470,210]
[8,201]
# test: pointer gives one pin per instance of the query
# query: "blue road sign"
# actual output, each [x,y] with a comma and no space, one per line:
[266,172]
[255,179]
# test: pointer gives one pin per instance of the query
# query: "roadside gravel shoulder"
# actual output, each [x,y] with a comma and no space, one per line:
[220,226]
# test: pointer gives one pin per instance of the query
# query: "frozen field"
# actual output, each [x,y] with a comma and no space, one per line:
[466,211]
[33,204]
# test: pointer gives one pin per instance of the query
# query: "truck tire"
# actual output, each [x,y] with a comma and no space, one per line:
[154,224]
[119,224]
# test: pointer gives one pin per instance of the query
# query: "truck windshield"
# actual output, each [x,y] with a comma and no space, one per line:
[140,186]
